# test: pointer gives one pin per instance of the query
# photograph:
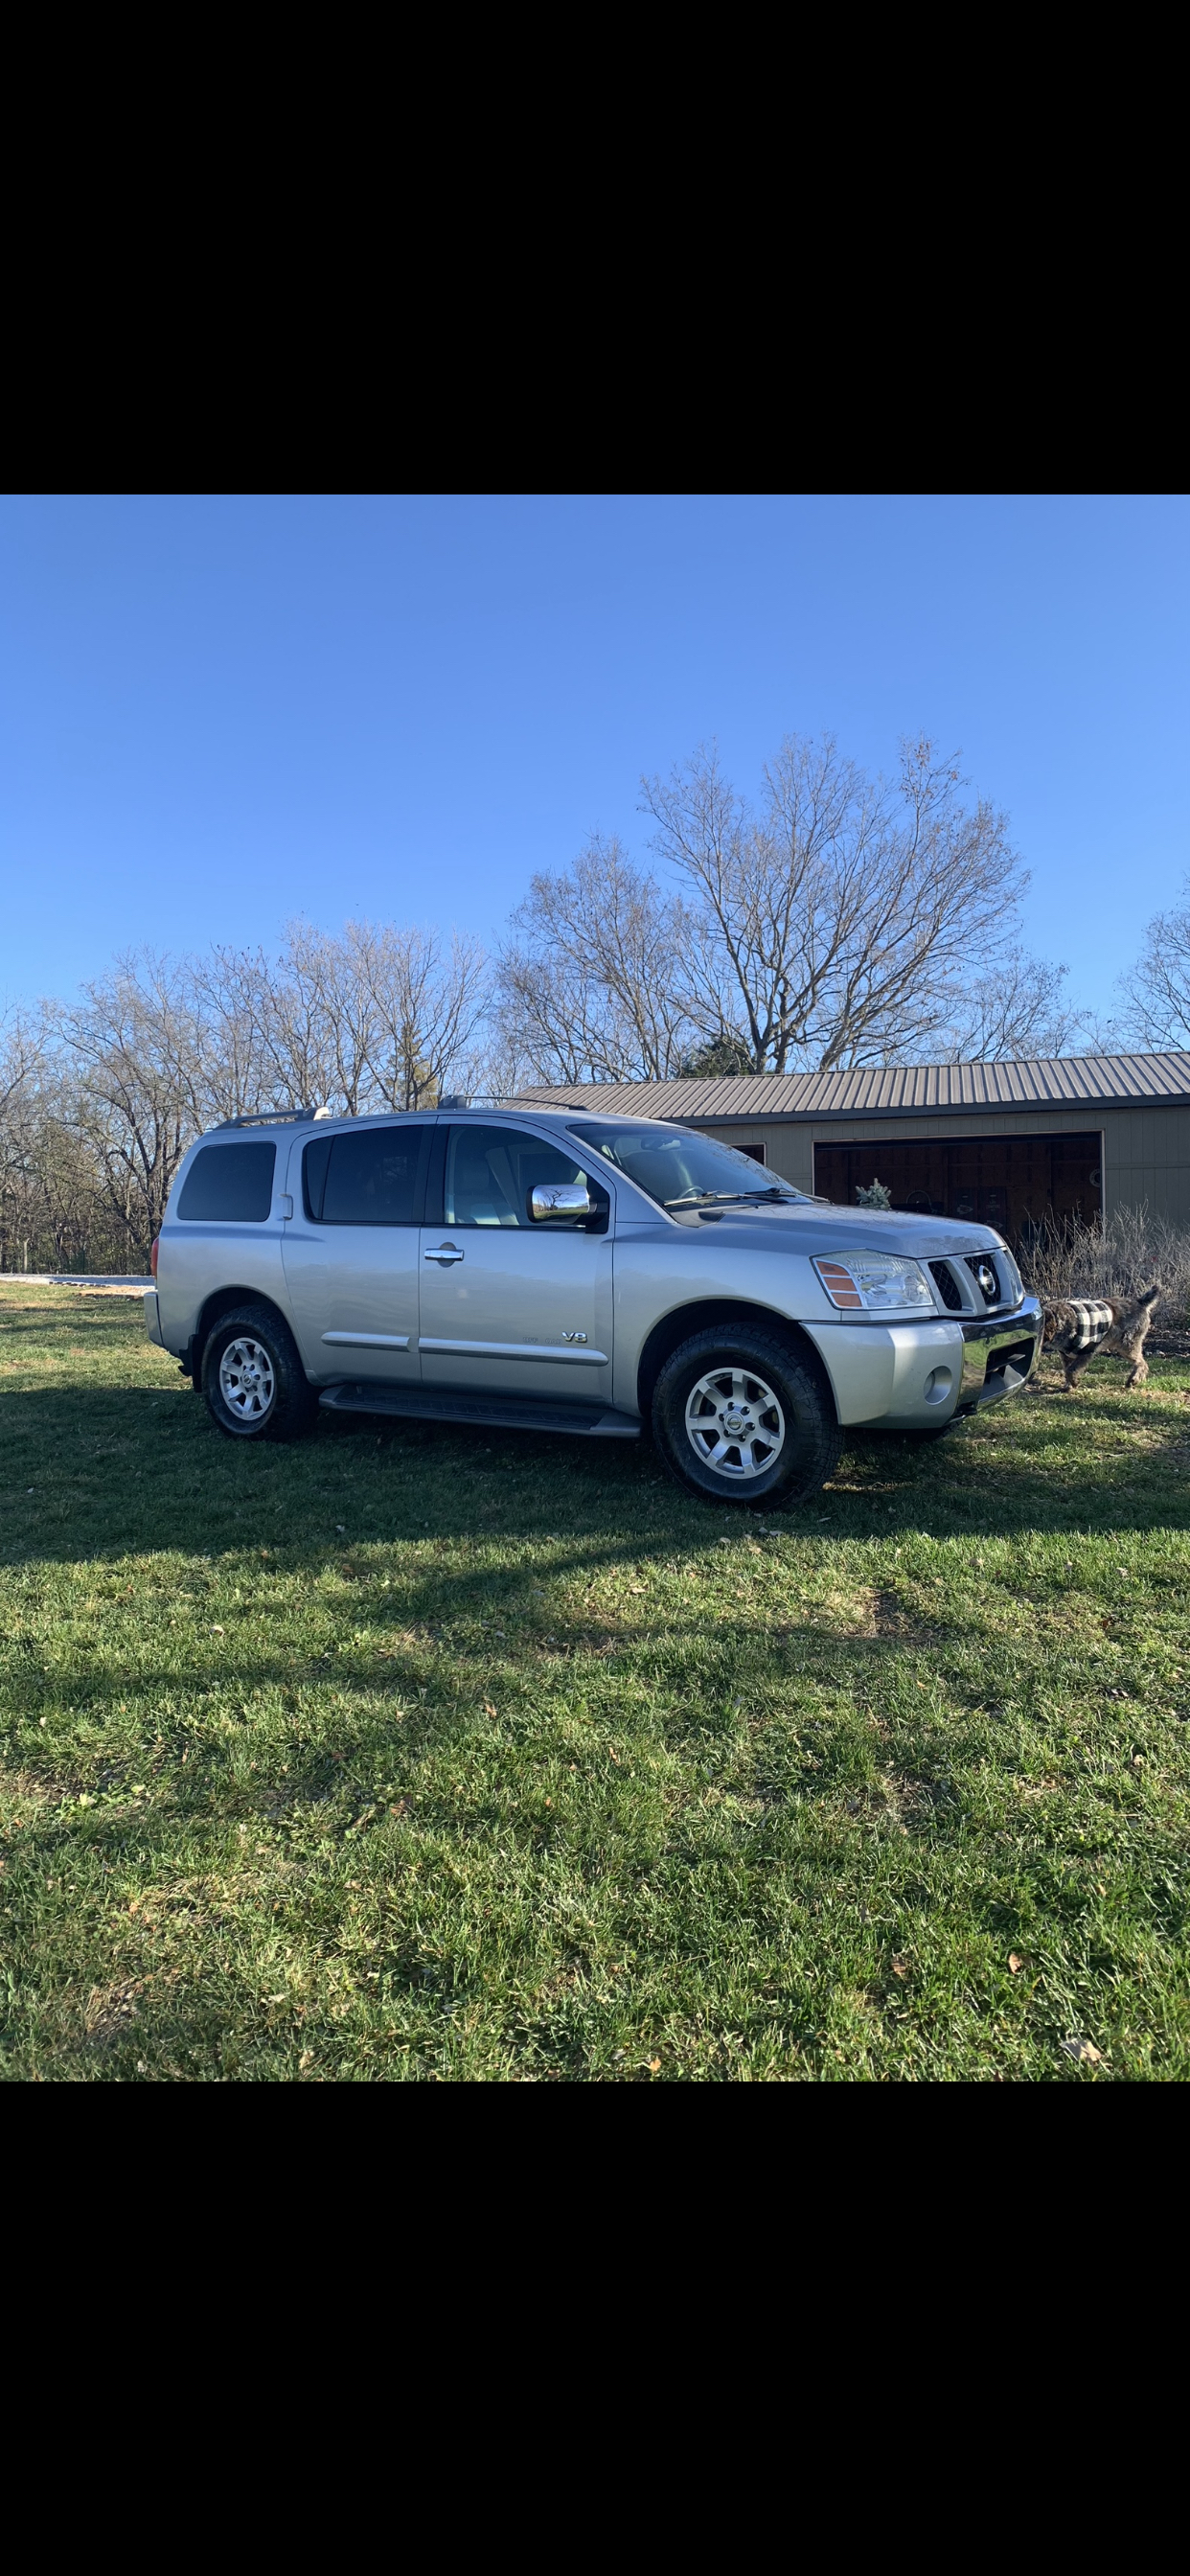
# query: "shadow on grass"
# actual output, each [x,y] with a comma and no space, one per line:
[94,1473]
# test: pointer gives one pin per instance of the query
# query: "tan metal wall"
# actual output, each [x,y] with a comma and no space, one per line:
[1146,1151]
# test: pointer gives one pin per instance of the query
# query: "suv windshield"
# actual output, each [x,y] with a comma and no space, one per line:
[681,1169]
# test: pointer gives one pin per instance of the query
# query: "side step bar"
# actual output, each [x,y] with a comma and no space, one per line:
[498,1412]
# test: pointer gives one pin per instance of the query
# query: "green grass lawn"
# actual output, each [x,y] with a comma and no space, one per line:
[428,1753]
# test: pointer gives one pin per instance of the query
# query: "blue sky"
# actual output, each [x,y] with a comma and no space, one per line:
[215,713]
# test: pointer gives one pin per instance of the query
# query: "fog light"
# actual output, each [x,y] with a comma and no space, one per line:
[937,1386]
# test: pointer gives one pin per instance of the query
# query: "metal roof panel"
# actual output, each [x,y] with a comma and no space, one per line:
[1079,1081]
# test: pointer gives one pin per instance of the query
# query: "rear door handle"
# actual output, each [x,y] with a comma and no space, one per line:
[443,1254]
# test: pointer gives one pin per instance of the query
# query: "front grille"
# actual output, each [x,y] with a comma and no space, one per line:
[947,1285]
[987,1278]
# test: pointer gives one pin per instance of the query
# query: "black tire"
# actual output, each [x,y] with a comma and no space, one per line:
[782,1399]
[279,1402]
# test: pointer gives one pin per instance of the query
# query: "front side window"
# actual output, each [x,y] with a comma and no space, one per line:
[491,1171]
[229,1185]
[366,1178]
[678,1168]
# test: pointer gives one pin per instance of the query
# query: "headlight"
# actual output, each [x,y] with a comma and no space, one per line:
[873,1279]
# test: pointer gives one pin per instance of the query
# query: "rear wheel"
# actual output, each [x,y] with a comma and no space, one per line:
[741,1419]
[253,1380]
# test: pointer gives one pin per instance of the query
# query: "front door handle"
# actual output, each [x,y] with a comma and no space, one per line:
[444,1254]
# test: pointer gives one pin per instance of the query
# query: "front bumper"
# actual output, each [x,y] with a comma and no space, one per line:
[999,1356]
[916,1377]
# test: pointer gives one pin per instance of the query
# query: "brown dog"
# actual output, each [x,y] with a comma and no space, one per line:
[1075,1328]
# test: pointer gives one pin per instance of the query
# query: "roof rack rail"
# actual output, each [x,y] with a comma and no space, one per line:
[265,1118]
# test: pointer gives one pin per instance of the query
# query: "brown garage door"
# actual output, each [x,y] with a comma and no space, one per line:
[1011,1182]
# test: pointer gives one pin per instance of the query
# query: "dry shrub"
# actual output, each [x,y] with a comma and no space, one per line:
[1128,1252]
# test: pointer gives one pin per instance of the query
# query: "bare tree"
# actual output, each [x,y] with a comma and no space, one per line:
[23,1047]
[1156,994]
[1017,1013]
[427,1007]
[379,1018]
[222,1060]
[842,923]
[314,1021]
[130,1104]
[593,979]
[99,1102]
[848,921]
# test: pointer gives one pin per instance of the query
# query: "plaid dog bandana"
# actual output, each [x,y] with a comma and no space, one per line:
[1092,1321]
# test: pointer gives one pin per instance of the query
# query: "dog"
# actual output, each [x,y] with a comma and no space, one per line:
[1075,1328]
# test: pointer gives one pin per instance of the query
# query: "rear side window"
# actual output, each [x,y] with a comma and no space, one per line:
[365,1179]
[229,1184]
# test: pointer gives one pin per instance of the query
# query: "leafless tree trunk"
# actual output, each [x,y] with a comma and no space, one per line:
[841,924]
[848,921]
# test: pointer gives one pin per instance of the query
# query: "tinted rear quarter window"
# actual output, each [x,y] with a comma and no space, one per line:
[229,1185]
[314,1163]
[368,1179]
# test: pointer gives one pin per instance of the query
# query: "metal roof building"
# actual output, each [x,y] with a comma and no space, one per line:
[1007,1144]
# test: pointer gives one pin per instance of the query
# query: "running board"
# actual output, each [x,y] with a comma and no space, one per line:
[498,1412]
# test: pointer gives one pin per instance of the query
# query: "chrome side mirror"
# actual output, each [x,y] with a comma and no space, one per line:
[560,1198]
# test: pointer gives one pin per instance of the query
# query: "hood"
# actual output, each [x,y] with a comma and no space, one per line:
[809,1227]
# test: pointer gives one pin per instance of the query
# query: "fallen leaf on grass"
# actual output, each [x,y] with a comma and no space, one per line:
[1083,2051]
[1015,1962]
[900,1967]
[488,1709]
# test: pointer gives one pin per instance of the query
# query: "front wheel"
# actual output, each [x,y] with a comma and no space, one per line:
[253,1380]
[741,1419]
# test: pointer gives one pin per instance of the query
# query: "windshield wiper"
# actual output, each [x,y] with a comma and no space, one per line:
[699,1198]
[690,1198]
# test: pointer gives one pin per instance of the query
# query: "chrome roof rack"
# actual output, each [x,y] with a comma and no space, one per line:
[265,1118]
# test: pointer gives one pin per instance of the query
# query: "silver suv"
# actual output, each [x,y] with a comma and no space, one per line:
[543,1269]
